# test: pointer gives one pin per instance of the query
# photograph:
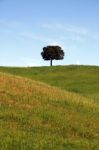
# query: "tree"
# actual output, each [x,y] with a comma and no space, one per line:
[52,53]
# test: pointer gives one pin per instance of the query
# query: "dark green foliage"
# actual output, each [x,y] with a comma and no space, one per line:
[52,53]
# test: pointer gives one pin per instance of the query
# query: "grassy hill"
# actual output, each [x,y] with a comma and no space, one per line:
[78,79]
[38,116]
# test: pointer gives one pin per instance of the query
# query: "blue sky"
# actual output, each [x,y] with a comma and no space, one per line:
[26,26]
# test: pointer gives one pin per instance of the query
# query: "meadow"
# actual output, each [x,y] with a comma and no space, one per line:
[49,108]
[77,79]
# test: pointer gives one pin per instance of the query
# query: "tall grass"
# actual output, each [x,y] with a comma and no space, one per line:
[38,116]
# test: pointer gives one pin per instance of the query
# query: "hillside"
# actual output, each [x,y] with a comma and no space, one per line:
[38,116]
[78,79]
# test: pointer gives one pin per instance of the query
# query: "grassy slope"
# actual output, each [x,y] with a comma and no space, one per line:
[34,115]
[79,79]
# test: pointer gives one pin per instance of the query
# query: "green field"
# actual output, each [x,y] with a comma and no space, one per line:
[78,79]
[49,108]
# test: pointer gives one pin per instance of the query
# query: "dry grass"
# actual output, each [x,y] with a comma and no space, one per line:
[34,115]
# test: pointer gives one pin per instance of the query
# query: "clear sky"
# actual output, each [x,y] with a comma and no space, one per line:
[26,26]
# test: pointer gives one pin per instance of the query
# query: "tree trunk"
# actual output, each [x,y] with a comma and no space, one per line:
[51,62]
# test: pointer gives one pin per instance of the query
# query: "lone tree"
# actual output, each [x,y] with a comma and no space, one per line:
[52,53]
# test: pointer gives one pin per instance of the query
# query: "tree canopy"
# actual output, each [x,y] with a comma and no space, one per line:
[52,53]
